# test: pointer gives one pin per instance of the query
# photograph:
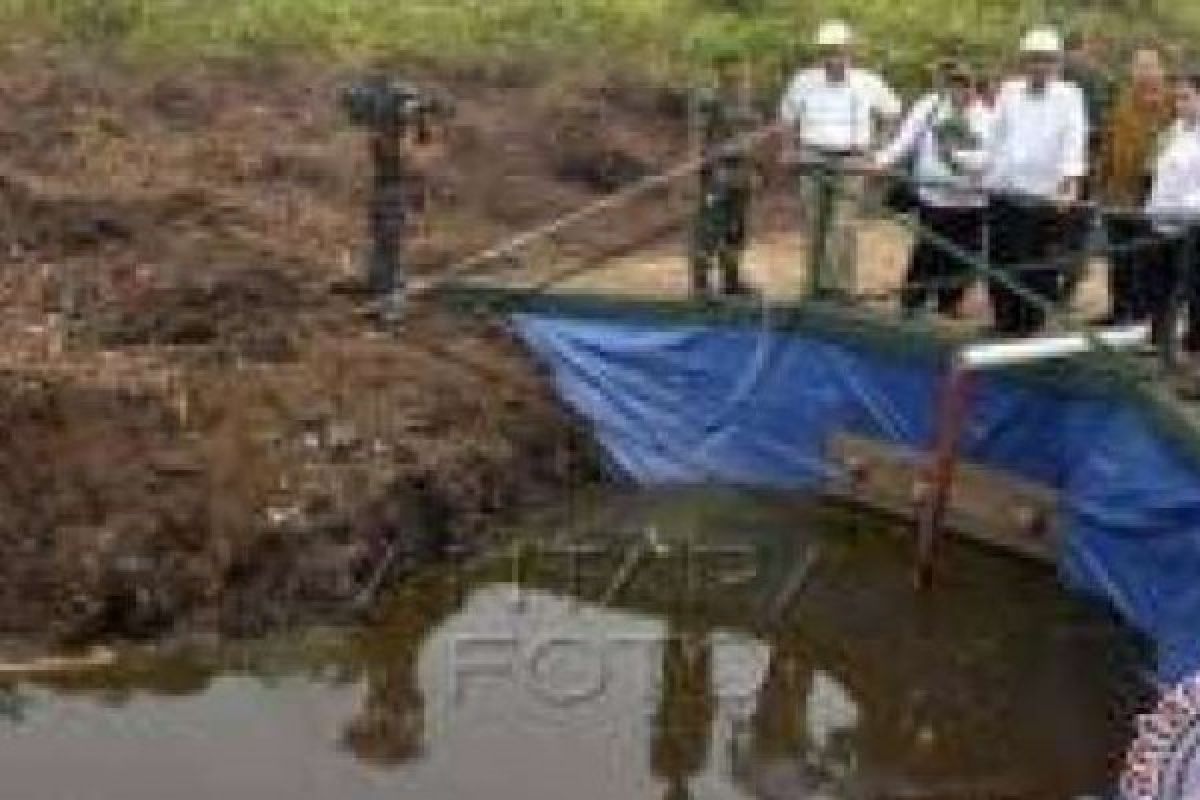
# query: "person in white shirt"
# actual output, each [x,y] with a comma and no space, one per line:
[944,137]
[830,112]
[1174,210]
[1034,168]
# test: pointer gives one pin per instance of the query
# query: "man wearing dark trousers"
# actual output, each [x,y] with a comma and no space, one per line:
[1022,231]
[1035,164]
[1174,292]
[1174,209]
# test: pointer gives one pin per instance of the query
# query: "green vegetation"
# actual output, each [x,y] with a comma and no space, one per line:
[643,38]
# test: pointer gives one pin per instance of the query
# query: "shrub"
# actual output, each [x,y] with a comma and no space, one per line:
[649,39]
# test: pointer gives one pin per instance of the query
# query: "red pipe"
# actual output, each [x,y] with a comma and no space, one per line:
[953,404]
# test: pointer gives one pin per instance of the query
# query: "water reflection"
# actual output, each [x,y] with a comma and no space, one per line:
[684,717]
[667,685]
[389,729]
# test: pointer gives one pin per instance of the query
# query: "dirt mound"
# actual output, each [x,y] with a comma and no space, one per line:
[98,494]
[200,435]
[239,499]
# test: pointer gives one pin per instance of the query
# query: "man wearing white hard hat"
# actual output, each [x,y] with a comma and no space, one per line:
[1035,165]
[831,111]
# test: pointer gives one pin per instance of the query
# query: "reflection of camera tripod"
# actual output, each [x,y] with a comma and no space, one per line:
[393,113]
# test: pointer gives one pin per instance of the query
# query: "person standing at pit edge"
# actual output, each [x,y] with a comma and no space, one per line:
[944,134]
[1143,111]
[1034,169]
[1174,209]
[722,115]
[830,113]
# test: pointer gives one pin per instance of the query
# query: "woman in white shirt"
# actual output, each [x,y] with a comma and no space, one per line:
[944,136]
[1174,210]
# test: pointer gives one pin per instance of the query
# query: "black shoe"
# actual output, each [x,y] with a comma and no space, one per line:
[996,332]
[738,290]
[1187,387]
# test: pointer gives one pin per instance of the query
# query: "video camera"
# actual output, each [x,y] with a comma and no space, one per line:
[382,103]
[391,110]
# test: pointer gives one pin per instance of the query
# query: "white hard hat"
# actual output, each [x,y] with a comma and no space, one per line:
[834,33]
[1042,40]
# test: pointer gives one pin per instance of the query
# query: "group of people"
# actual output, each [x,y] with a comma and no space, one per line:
[1017,176]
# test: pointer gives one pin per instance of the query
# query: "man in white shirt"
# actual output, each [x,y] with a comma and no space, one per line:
[1173,267]
[944,137]
[830,112]
[1034,168]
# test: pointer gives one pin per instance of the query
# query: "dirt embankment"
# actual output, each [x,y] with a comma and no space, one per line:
[197,434]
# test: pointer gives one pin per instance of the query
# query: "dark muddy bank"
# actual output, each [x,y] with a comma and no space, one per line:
[199,436]
[261,498]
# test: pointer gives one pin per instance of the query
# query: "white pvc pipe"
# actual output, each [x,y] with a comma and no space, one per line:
[992,355]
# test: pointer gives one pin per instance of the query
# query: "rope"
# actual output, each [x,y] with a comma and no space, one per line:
[1004,277]
[506,249]
[644,186]
[1068,258]
[745,142]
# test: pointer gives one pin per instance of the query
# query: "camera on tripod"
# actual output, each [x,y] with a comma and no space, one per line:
[381,103]
[396,114]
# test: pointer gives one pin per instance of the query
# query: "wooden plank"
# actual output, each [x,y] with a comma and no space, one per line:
[988,506]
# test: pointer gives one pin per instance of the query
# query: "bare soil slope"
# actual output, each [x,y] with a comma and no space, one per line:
[198,435]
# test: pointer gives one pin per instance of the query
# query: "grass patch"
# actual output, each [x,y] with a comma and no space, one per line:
[650,39]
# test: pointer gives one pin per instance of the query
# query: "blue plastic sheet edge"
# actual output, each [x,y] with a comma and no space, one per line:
[686,404]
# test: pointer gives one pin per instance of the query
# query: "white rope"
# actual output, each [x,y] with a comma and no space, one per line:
[524,239]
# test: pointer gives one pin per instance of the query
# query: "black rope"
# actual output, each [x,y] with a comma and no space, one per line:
[1057,262]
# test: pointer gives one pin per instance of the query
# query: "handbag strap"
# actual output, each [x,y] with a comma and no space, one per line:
[910,161]
[927,125]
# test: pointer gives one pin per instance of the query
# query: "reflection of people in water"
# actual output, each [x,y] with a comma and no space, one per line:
[389,730]
[683,723]
[780,754]
[778,727]
[811,733]
[901,710]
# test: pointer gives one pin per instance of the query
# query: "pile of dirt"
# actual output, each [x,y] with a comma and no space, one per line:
[199,434]
[241,498]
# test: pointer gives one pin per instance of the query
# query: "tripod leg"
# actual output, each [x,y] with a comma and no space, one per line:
[388,214]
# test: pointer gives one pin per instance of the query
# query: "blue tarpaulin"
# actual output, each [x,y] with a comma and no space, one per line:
[674,403]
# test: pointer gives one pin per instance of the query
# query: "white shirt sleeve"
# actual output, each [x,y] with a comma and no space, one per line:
[791,108]
[886,102]
[908,138]
[1191,198]
[1176,189]
[1075,155]
[983,120]
[998,135]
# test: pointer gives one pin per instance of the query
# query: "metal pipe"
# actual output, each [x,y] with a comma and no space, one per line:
[993,355]
[954,405]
